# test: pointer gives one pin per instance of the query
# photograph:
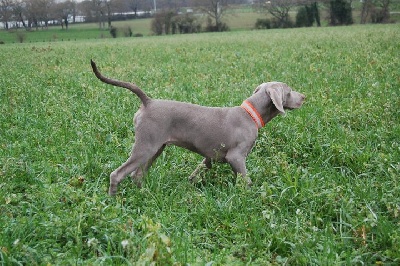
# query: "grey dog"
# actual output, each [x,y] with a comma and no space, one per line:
[224,134]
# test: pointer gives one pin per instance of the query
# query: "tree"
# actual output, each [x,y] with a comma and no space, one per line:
[6,12]
[63,10]
[107,4]
[185,23]
[340,12]
[215,9]
[162,22]
[279,9]
[98,7]
[377,11]
[307,14]
[383,13]
[134,5]
[19,10]
[38,12]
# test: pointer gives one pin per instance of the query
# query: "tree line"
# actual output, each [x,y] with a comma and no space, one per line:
[168,18]
[308,12]
[40,13]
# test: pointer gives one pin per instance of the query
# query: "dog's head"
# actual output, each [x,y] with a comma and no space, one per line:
[281,95]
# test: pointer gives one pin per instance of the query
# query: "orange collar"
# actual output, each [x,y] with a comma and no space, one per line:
[255,115]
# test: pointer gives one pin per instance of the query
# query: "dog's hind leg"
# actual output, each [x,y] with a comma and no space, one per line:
[137,176]
[140,156]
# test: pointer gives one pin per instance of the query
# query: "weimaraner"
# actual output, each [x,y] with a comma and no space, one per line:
[224,134]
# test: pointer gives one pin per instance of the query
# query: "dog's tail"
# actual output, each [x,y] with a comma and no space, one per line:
[127,85]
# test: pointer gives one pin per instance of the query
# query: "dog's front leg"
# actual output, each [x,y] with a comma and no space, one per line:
[238,164]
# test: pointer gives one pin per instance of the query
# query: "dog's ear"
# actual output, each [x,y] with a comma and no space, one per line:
[257,89]
[276,94]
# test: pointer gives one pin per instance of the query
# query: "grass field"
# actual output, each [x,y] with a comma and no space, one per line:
[326,177]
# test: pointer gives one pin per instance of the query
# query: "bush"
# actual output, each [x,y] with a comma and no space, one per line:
[113,32]
[216,28]
[157,25]
[185,24]
[279,24]
[127,31]
[263,24]
[273,24]
[307,15]
[169,23]
[303,17]
[21,36]
[162,22]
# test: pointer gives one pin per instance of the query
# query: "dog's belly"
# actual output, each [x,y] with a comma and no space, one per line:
[208,151]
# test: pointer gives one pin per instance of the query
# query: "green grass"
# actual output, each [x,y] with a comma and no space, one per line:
[326,177]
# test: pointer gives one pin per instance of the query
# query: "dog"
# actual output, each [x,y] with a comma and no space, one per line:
[223,134]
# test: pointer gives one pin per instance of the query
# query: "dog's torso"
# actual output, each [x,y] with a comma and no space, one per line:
[209,131]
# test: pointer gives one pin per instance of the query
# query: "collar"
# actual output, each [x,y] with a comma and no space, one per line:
[255,115]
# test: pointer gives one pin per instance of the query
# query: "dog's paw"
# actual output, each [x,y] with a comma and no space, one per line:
[112,190]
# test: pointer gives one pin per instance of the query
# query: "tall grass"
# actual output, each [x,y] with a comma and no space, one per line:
[326,177]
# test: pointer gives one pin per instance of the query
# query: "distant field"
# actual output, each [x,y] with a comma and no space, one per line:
[326,177]
[78,31]
[75,32]
[236,21]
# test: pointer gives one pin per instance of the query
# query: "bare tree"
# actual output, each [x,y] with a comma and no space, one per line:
[134,5]
[98,7]
[19,10]
[6,11]
[385,10]
[39,12]
[279,9]
[103,10]
[109,12]
[215,9]
[377,11]
[63,10]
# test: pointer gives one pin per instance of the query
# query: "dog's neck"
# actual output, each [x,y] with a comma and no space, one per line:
[254,114]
